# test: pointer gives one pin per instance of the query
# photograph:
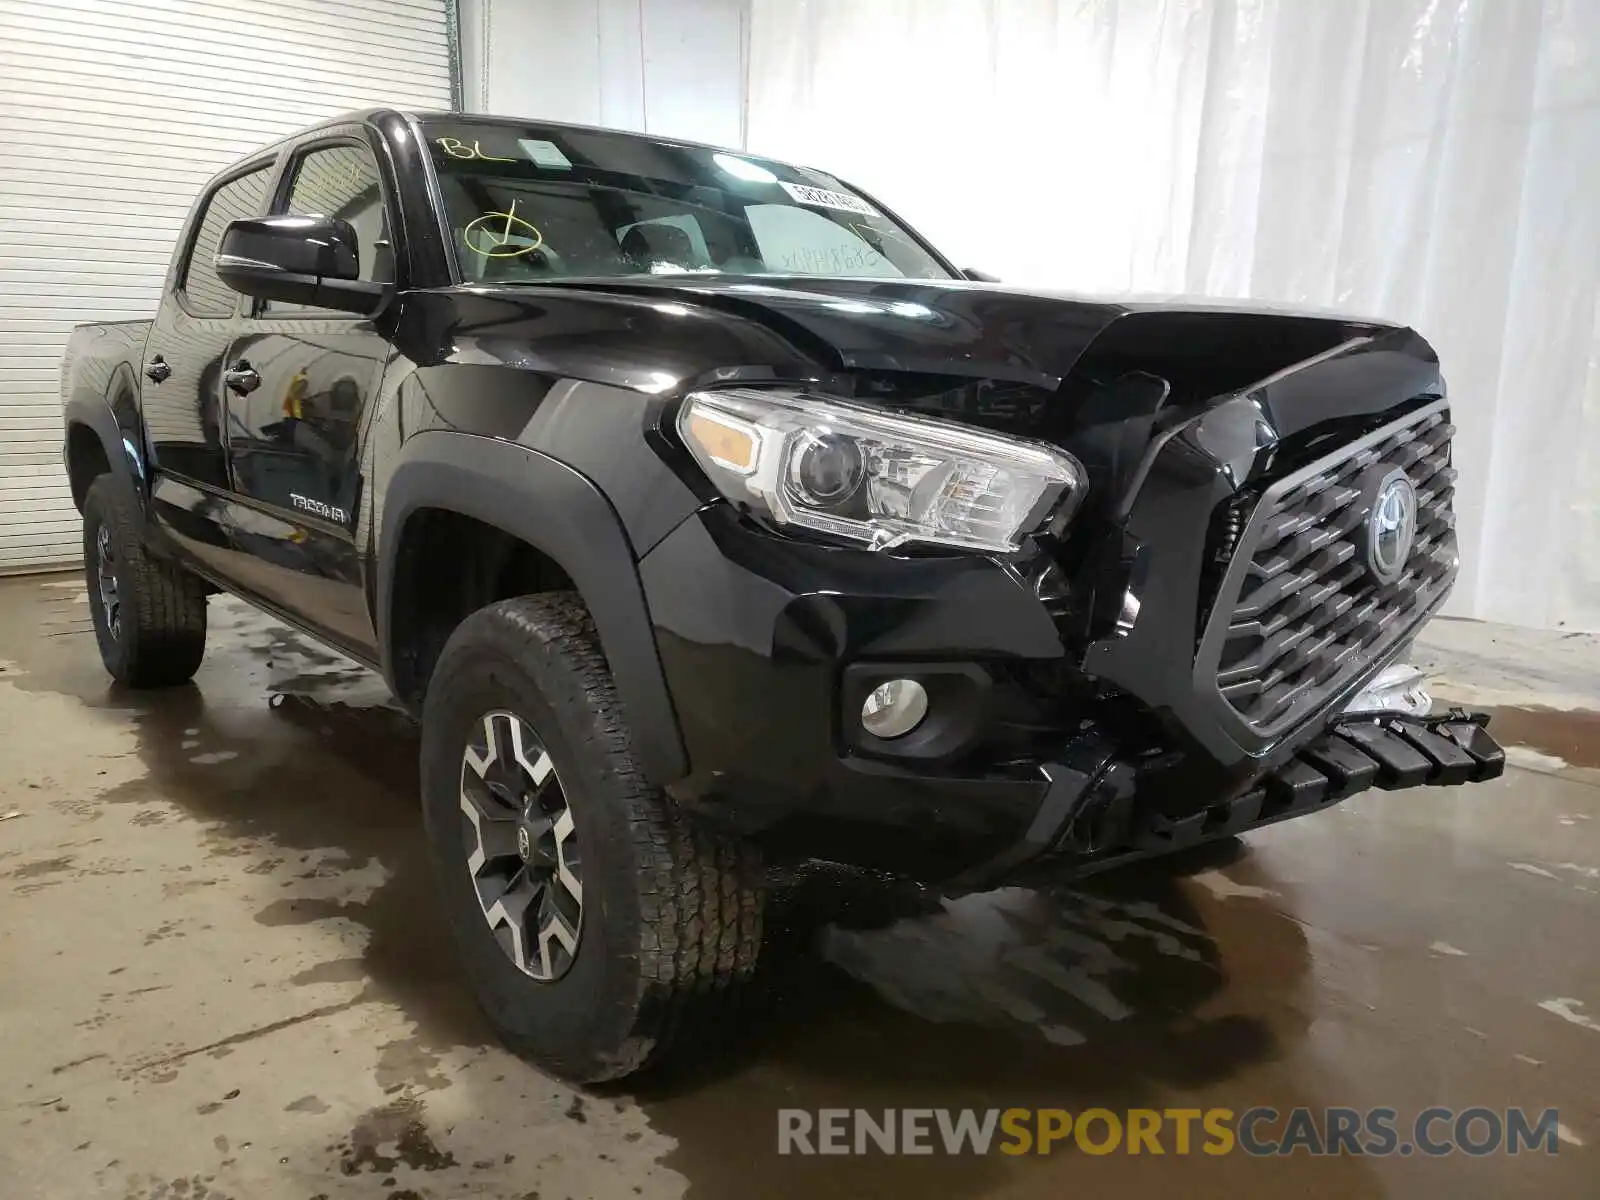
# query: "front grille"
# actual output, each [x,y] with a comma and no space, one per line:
[1299,615]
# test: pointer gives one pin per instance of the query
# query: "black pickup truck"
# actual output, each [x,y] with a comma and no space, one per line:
[714,524]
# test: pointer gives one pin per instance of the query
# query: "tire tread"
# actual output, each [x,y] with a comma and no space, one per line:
[701,896]
[167,604]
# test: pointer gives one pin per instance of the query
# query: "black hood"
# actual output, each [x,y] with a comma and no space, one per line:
[1033,363]
[994,331]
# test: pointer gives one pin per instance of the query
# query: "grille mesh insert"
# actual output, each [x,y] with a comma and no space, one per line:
[1308,615]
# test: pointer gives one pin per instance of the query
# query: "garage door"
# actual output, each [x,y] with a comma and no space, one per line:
[112,115]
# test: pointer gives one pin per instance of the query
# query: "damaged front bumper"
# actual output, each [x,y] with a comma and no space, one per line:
[1092,824]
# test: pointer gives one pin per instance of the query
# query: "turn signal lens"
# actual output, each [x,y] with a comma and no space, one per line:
[725,441]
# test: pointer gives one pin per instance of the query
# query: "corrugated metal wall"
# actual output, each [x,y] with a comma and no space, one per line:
[112,115]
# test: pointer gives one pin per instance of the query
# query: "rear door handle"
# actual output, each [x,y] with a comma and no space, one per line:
[157,370]
[241,378]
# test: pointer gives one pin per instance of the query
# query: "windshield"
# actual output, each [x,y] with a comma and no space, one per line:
[527,203]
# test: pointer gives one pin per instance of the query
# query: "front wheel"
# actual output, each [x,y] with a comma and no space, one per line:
[149,615]
[599,929]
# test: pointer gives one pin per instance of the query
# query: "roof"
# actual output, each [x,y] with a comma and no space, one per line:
[363,115]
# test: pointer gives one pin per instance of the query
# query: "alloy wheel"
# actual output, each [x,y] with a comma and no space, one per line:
[522,846]
[106,574]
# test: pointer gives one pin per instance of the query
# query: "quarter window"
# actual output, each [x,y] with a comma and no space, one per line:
[204,294]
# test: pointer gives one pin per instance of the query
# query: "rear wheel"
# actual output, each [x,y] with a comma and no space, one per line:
[600,930]
[149,615]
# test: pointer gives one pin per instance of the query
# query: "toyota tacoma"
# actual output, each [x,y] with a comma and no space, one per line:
[713,524]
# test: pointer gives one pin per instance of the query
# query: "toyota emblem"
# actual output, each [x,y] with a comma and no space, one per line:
[1391,525]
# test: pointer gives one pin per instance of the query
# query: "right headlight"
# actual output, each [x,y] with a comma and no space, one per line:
[876,477]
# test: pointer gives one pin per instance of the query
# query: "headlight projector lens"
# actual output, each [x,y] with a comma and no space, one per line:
[895,708]
[828,470]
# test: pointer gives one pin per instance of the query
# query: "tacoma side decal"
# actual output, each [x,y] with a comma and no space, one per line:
[327,512]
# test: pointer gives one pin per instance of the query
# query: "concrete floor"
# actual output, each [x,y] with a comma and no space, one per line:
[221,974]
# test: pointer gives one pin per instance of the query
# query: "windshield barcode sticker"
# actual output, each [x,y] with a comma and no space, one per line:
[823,198]
[545,154]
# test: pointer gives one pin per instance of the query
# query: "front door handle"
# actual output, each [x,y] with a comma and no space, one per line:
[157,371]
[241,378]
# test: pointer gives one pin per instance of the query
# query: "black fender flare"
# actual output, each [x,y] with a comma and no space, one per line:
[123,447]
[560,513]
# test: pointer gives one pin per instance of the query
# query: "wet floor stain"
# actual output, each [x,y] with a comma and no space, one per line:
[192,1187]
[42,867]
[1073,998]
[390,1137]
[336,790]
[1573,736]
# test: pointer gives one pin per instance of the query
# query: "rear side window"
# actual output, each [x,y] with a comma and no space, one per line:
[342,181]
[204,293]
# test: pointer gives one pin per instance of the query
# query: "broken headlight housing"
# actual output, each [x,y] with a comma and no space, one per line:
[879,478]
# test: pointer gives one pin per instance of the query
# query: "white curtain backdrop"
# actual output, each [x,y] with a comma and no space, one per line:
[1432,161]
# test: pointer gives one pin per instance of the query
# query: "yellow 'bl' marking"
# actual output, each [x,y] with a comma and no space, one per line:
[456,148]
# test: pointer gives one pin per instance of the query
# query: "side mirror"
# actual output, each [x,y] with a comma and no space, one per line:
[304,260]
[978,276]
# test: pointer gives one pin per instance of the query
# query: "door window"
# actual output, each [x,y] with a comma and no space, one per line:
[204,294]
[342,182]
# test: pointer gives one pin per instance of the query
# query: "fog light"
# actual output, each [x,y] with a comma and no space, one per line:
[895,708]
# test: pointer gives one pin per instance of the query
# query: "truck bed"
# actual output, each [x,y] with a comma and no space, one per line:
[94,351]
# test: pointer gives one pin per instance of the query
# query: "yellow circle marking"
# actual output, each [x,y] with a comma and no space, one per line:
[491,233]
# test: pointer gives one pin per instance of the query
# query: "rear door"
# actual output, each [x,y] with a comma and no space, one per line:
[180,391]
[298,381]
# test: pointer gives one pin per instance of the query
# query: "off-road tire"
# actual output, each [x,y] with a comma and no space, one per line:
[160,636]
[671,913]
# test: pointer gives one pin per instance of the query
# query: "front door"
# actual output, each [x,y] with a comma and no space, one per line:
[297,381]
